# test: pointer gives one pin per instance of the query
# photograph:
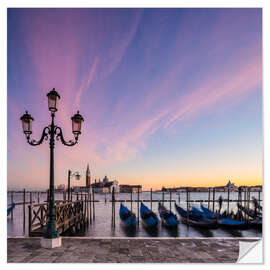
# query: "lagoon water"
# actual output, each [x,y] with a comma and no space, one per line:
[101,227]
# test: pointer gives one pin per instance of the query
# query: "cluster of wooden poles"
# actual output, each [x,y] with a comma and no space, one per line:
[89,200]
[243,200]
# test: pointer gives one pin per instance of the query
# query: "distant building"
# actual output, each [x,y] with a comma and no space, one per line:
[256,188]
[231,186]
[105,186]
[88,177]
[130,188]
[59,188]
[80,189]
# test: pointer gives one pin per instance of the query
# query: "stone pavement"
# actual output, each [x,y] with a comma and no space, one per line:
[126,250]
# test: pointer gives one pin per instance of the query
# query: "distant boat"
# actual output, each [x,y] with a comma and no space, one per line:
[10,209]
[127,217]
[195,218]
[149,218]
[168,218]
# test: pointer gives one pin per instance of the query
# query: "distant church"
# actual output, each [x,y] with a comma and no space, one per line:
[87,182]
[88,177]
[231,185]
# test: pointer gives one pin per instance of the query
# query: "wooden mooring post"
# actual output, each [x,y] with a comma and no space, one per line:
[94,215]
[248,205]
[90,208]
[151,198]
[245,202]
[179,197]
[214,191]
[138,199]
[131,200]
[24,210]
[113,208]
[209,193]
[85,208]
[187,201]
[163,197]
[228,203]
[170,201]
[31,197]
[12,201]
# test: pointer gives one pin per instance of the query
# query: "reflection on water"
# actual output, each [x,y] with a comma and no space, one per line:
[101,227]
[172,232]
[151,232]
[235,233]
[128,232]
[204,232]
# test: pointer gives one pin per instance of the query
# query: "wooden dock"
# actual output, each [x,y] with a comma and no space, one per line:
[69,215]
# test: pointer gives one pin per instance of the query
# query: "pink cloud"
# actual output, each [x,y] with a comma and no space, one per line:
[86,81]
[226,87]
[128,145]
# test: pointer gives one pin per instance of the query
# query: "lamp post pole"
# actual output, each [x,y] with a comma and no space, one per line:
[51,230]
[70,174]
[51,236]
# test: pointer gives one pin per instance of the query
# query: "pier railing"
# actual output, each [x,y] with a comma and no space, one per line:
[68,215]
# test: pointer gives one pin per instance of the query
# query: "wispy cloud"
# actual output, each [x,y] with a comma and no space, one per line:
[224,89]
[86,81]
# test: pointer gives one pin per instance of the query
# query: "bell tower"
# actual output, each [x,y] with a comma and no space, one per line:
[88,177]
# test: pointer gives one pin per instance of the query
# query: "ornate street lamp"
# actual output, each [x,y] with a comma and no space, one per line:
[52,131]
[77,177]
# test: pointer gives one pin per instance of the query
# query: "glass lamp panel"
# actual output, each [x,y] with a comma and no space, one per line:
[52,103]
[27,126]
[76,125]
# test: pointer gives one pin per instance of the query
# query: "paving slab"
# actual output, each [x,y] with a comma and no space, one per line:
[125,250]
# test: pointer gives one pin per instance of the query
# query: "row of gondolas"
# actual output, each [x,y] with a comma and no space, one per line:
[195,217]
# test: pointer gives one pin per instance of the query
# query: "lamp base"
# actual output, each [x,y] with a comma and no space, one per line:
[51,243]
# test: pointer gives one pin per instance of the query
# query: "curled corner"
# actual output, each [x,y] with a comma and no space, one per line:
[250,252]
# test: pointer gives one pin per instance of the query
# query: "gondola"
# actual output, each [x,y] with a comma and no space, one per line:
[10,209]
[228,223]
[251,213]
[168,218]
[194,219]
[149,218]
[127,217]
[225,222]
[210,215]
[197,213]
[257,204]
[256,223]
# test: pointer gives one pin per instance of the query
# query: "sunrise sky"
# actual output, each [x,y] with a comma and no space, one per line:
[170,97]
